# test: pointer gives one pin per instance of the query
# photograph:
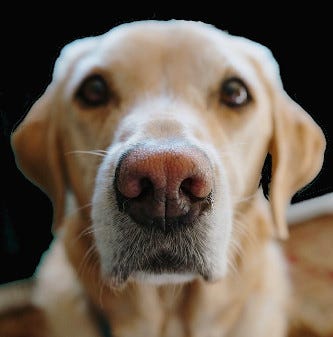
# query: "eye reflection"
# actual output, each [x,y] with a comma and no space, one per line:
[93,91]
[234,93]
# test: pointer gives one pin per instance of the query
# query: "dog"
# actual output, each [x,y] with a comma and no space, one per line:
[150,142]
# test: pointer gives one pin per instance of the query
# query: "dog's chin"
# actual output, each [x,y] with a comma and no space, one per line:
[158,273]
[163,278]
[157,279]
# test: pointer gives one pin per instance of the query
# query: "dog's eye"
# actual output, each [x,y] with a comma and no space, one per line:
[234,93]
[93,91]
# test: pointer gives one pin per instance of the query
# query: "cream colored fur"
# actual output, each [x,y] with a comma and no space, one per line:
[165,79]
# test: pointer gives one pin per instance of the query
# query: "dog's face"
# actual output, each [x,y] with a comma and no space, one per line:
[163,128]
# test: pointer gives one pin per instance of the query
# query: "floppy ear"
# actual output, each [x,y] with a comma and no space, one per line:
[297,149]
[297,145]
[36,142]
[36,149]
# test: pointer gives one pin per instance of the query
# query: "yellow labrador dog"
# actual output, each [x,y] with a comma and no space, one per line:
[150,141]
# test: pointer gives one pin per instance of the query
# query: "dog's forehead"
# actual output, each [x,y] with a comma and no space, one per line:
[164,33]
[166,40]
[174,41]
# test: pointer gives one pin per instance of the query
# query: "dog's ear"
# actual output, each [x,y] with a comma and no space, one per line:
[297,150]
[36,148]
[297,144]
[36,142]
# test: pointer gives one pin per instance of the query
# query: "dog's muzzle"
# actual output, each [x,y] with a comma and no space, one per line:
[163,189]
[157,211]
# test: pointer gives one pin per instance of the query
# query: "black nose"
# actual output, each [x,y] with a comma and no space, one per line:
[164,186]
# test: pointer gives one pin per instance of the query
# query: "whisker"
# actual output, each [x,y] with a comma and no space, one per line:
[86,259]
[242,236]
[247,199]
[76,209]
[91,230]
[87,231]
[102,287]
[100,153]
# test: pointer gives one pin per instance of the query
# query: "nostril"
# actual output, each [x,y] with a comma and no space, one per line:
[186,187]
[146,187]
[195,188]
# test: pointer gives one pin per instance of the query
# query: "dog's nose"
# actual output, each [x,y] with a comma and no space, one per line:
[164,186]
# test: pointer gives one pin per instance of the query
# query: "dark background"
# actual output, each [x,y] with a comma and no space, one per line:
[31,40]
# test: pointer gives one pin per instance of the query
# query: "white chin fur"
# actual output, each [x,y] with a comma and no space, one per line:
[166,278]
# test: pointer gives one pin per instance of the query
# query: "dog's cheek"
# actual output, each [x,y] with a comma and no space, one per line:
[220,221]
[103,206]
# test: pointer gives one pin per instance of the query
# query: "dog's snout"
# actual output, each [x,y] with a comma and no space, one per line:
[164,186]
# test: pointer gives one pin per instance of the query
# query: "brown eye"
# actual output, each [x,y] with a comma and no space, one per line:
[94,91]
[234,93]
